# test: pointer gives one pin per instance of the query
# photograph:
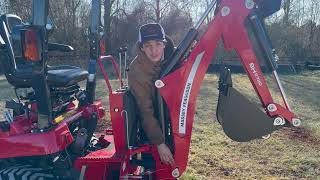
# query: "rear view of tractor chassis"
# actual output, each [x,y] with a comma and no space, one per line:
[52,121]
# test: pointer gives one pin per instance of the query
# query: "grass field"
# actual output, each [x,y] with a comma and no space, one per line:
[288,154]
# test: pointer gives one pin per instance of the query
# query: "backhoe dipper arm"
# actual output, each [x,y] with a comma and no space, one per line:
[180,88]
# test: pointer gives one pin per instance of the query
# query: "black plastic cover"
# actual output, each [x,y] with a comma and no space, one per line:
[268,7]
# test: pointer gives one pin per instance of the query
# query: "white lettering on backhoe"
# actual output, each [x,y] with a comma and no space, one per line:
[255,73]
[186,94]
[185,104]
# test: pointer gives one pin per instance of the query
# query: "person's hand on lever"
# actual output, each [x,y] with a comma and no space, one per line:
[165,154]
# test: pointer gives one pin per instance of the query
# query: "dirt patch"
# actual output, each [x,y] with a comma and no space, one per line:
[302,135]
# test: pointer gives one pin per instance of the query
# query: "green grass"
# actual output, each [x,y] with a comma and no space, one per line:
[288,154]
[214,155]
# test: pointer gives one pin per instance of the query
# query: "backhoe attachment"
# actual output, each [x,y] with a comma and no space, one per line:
[240,118]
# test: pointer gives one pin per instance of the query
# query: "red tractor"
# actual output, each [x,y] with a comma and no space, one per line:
[47,133]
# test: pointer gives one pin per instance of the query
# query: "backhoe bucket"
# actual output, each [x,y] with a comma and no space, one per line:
[241,119]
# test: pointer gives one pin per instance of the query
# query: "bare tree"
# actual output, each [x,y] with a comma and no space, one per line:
[112,11]
[4,5]
[107,20]
[295,30]
[21,7]
[157,7]
[314,13]
[286,8]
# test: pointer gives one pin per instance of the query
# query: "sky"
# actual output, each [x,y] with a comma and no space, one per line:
[2,6]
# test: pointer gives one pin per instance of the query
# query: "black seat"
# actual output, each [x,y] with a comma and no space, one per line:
[58,76]
[18,72]
[65,75]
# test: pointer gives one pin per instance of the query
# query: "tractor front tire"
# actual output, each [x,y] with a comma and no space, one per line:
[26,172]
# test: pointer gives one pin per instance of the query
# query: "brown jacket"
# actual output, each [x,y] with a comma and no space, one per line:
[141,77]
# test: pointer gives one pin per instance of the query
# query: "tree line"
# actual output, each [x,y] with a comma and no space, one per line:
[294,31]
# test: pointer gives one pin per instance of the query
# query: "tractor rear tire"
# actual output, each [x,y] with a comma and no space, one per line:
[26,172]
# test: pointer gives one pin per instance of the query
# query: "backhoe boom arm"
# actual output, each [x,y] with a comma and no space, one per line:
[180,88]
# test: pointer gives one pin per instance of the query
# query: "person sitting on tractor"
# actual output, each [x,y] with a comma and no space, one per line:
[143,72]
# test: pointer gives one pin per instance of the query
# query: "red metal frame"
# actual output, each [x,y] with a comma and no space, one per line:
[180,96]
[100,165]
[181,88]
[20,142]
[104,73]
